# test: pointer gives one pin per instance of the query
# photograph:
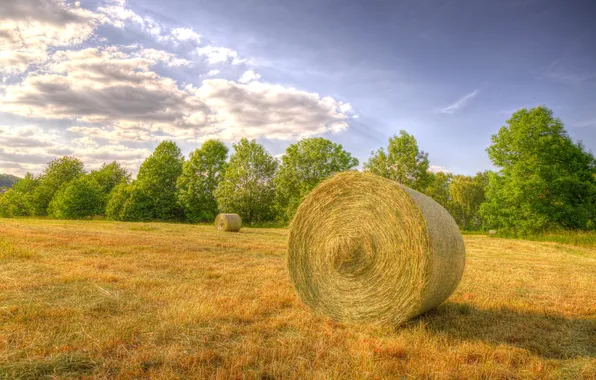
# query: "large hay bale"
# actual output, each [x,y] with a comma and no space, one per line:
[228,222]
[366,249]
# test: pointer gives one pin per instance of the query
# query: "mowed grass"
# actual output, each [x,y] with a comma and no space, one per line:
[140,300]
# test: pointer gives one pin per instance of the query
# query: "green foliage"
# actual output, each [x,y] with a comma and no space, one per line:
[546,180]
[156,185]
[200,177]
[19,200]
[438,188]
[403,162]
[56,174]
[466,195]
[80,198]
[117,200]
[139,205]
[247,188]
[304,165]
[110,175]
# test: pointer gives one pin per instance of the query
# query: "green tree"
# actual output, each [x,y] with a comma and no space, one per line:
[438,188]
[57,173]
[157,181]
[467,194]
[110,175]
[546,180]
[80,198]
[200,177]
[117,201]
[403,162]
[139,203]
[247,188]
[19,200]
[304,165]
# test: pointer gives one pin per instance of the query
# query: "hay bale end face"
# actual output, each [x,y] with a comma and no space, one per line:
[366,249]
[228,222]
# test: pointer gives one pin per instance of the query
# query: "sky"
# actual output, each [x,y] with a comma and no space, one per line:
[108,80]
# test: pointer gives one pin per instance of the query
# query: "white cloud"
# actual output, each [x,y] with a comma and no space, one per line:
[109,96]
[459,103]
[28,28]
[249,76]
[186,34]
[218,54]
[260,109]
[30,148]
[438,169]
[124,99]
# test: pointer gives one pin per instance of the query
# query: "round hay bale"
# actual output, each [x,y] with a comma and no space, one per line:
[228,222]
[366,249]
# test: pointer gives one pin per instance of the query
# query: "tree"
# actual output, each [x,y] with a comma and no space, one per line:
[19,200]
[467,194]
[157,181]
[80,198]
[57,173]
[200,177]
[438,188]
[247,188]
[117,201]
[110,175]
[403,162]
[546,180]
[139,203]
[304,165]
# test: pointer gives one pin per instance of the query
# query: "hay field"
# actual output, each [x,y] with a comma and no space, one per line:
[121,300]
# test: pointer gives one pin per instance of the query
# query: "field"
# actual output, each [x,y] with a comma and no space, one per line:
[120,300]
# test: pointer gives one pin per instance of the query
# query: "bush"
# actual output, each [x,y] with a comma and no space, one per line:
[80,198]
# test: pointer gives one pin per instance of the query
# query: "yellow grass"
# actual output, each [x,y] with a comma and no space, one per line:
[121,300]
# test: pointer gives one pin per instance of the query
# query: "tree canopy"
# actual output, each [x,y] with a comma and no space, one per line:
[200,177]
[304,165]
[546,180]
[157,181]
[248,188]
[57,173]
[80,198]
[403,162]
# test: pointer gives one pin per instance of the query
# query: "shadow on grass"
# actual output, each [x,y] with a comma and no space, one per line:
[59,366]
[548,335]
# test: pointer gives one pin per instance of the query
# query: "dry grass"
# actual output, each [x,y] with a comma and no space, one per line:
[121,300]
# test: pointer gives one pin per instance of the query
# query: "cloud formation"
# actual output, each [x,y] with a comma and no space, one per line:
[28,28]
[462,102]
[248,76]
[109,98]
[30,148]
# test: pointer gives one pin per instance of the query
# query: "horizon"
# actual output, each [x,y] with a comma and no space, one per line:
[108,80]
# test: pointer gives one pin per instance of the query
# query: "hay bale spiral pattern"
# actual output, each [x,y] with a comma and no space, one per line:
[228,222]
[366,249]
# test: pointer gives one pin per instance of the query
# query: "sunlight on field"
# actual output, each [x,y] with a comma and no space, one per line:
[167,300]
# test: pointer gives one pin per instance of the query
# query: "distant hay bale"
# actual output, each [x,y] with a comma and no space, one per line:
[228,222]
[366,249]
[492,232]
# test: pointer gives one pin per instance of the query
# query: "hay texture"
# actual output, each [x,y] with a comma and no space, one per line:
[366,249]
[228,222]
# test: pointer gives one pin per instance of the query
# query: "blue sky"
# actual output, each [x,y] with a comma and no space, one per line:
[109,79]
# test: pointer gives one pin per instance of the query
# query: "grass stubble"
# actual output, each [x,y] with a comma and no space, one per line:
[151,300]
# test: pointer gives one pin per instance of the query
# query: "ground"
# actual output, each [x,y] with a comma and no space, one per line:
[120,300]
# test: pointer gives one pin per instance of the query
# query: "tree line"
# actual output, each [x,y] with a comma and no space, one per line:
[545,181]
